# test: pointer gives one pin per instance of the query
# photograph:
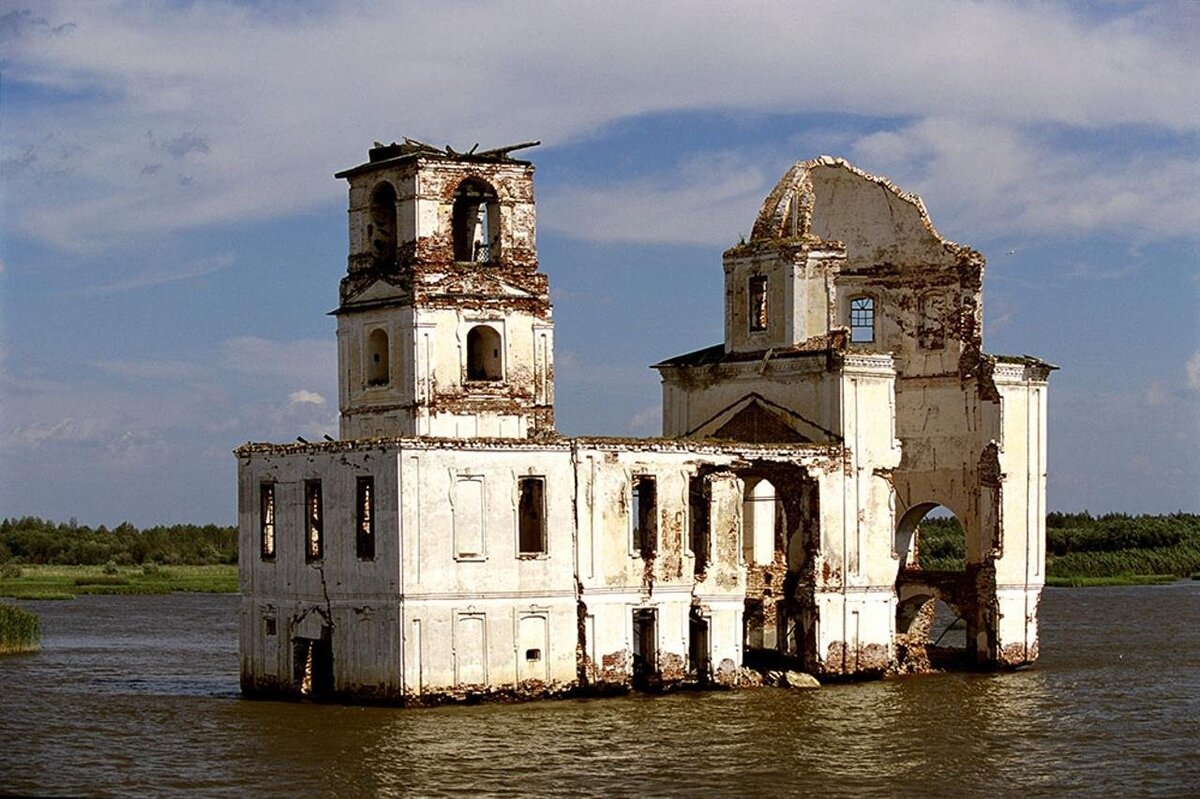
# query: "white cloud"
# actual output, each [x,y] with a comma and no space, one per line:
[1192,370]
[177,116]
[993,178]
[304,396]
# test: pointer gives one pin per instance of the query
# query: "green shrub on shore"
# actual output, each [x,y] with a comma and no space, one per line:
[1113,549]
[20,631]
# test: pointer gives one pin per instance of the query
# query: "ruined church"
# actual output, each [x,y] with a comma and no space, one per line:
[451,545]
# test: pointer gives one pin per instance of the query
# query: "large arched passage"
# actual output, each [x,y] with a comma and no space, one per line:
[780,530]
[930,536]
[933,588]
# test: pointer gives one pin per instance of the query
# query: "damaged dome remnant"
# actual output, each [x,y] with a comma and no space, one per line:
[450,545]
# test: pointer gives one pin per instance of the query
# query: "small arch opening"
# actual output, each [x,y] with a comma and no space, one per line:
[381,226]
[483,354]
[762,519]
[378,367]
[476,222]
[862,320]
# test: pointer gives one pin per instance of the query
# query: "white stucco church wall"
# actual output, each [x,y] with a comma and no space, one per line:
[451,545]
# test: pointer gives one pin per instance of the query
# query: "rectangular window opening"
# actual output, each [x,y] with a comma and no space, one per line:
[698,504]
[315,539]
[645,515]
[758,303]
[266,519]
[531,510]
[533,654]
[364,522]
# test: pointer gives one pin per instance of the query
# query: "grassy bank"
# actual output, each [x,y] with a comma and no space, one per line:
[20,631]
[1124,579]
[66,582]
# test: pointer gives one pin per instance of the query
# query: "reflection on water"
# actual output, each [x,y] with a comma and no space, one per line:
[138,695]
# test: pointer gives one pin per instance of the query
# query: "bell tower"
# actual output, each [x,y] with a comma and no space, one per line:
[444,321]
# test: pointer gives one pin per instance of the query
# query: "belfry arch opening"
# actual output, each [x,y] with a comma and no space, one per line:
[484,360]
[381,225]
[475,222]
[378,366]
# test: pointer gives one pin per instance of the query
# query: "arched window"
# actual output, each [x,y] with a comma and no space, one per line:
[758,303]
[483,354]
[476,222]
[381,228]
[378,371]
[761,517]
[862,320]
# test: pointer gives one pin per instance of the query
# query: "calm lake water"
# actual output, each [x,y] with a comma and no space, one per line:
[139,696]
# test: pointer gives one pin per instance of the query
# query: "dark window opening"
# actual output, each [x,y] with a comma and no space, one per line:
[533,654]
[753,621]
[862,320]
[645,514]
[364,522]
[270,625]
[698,660]
[698,506]
[483,354]
[758,303]
[266,519]
[381,229]
[531,511]
[378,369]
[476,222]
[314,539]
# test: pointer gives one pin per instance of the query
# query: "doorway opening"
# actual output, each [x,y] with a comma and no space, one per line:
[645,649]
[313,664]
[699,662]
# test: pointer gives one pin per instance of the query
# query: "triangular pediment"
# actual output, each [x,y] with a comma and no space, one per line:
[755,419]
[376,291]
[373,291]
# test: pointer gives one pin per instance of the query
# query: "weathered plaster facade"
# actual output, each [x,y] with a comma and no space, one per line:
[452,546]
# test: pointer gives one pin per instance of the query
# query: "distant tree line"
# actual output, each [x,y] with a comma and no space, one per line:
[1079,544]
[33,540]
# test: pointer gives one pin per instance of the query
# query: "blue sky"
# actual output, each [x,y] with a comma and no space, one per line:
[173,235]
